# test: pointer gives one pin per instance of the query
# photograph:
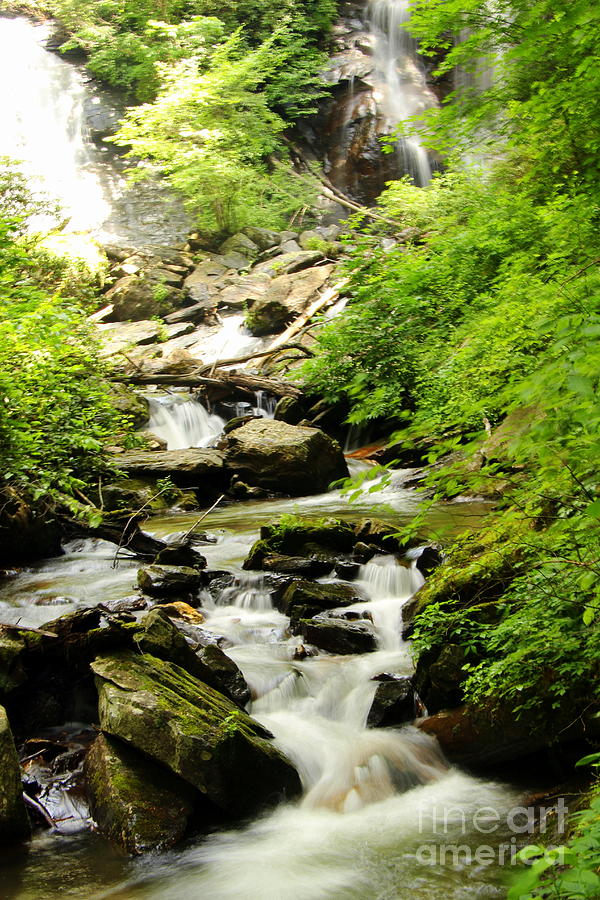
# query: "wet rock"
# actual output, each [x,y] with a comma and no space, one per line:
[243,290]
[166,580]
[200,284]
[362,552]
[439,676]
[337,636]
[181,554]
[14,822]
[118,336]
[135,802]
[288,263]
[394,702]
[284,458]
[302,539]
[194,731]
[347,570]
[316,596]
[296,565]
[225,676]
[186,468]
[195,313]
[429,559]
[286,297]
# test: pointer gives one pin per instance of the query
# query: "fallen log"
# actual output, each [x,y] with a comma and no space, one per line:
[327,298]
[223,380]
[126,535]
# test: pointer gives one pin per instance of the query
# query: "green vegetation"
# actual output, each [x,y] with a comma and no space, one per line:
[55,410]
[220,82]
[487,322]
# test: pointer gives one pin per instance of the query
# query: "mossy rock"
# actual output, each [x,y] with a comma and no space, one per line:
[196,732]
[318,596]
[135,802]
[301,538]
[14,822]
[167,580]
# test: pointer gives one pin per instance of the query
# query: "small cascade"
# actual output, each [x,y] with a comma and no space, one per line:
[402,89]
[390,585]
[182,422]
[248,591]
[264,405]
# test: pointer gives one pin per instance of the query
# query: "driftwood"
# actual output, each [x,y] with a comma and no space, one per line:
[4,627]
[244,359]
[126,535]
[220,381]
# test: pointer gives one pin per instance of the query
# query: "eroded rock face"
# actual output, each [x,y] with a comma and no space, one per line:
[14,822]
[135,802]
[285,458]
[194,731]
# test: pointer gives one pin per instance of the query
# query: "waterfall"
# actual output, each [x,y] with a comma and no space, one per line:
[402,89]
[46,106]
[264,405]
[182,422]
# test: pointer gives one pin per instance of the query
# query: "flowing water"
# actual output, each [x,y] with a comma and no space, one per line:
[182,421]
[45,126]
[402,90]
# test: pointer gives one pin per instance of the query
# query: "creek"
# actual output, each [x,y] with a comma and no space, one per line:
[379,806]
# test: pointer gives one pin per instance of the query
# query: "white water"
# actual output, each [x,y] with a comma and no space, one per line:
[43,126]
[182,422]
[402,90]
[372,797]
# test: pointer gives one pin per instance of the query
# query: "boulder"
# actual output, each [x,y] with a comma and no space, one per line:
[234,260]
[225,676]
[194,731]
[336,635]
[262,237]
[296,565]
[284,458]
[288,410]
[319,597]
[14,822]
[118,336]
[240,243]
[135,802]
[135,493]
[288,263]
[26,533]
[375,531]
[186,468]
[181,554]
[136,297]
[180,610]
[286,297]
[243,290]
[167,580]
[195,313]
[394,702]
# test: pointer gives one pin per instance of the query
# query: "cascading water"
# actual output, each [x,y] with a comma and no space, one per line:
[182,422]
[402,89]
[44,128]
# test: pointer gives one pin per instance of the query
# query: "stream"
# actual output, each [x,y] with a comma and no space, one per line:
[382,813]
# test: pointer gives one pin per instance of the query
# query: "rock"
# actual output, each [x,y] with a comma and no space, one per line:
[394,702]
[288,263]
[118,336]
[284,458]
[135,802]
[194,731]
[135,493]
[181,554]
[318,597]
[382,534]
[296,565]
[12,670]
[239,243]
[429,560]
[196,313]
[362,552]
[286,297]
[164,581]
[308,239]
[226,677]
[439,676]
[200,284]
[262,237]
[483,738]
[136,297]
[180,610]
[244,290]
[194,467]
[290,247]
[347,570]
[337,636]
[14,822]
[288,410]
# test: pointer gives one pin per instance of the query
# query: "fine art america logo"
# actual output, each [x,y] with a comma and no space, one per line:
[445,824]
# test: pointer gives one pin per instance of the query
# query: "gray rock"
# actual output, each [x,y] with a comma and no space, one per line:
[262,237]
[138,297]
[166,581]
[184,467]
[284,458]
[290,247]
[288,263]
[286,297]
[319,597]
[233,260]
[240,243]
[194,731]
[337,636]
[394,702]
